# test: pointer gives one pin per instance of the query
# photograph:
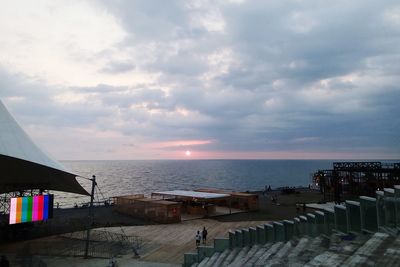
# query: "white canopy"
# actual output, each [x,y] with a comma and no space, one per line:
[25,166]
[193,194]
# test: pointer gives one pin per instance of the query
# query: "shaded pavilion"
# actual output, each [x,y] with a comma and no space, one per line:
[194,202]
[25,167]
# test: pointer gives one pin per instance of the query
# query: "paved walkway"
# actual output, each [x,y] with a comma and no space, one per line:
[163,245]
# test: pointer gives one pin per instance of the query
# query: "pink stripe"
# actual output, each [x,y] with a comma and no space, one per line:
[35,209]
[13,211]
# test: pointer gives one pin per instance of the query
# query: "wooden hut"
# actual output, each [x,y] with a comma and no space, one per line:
[152,209]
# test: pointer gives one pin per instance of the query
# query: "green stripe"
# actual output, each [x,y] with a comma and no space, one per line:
[30,204]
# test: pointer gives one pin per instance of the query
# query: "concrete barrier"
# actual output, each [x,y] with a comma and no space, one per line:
[269,233]
[190,258]
[288,229]
[329,220]
[232,239]
[246,237]
[204,251]
[380,208]
[340,218]
[261,234]
[279,231]
[390,208]
[353,216]
[297,227]
[368,214]
[397,204]
[221,244]
[319,222]
[311,225]
[238,239]
[303,225]
[253,236]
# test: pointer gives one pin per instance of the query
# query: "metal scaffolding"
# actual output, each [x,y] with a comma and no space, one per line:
[355,179]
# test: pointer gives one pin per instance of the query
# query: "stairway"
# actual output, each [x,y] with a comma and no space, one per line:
[355,233]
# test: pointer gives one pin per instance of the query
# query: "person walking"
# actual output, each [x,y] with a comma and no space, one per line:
[204,235]
[198,238]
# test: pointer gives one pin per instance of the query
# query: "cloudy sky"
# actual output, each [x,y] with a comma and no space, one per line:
[222,79]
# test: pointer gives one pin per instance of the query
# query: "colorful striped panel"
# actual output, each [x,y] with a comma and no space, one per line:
[31,209]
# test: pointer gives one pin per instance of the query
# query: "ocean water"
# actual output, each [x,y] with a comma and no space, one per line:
[130,177]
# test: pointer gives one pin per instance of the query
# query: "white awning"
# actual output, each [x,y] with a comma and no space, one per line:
[192,194]
[25,166]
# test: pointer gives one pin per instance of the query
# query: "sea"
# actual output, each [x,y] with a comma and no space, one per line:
[116,178]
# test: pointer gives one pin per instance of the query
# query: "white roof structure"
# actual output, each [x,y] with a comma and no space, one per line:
[192,194]
[25,166]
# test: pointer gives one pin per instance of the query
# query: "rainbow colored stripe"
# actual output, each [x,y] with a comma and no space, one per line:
[31,209]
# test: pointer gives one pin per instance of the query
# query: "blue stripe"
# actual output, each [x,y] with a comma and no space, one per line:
[46,207]
[24,209]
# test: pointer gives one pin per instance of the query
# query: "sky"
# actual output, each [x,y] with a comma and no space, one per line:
[227,79]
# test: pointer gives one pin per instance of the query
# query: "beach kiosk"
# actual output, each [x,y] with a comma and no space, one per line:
[238,200]
[196,203]
[146,208]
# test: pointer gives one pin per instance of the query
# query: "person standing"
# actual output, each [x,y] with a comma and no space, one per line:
[198,238]
[204,235]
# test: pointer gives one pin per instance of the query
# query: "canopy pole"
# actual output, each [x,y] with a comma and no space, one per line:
[90,221]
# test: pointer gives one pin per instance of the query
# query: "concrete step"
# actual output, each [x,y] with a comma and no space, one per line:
[393,231]
[232,254]
[293,257]
[258,254]
[269,253]
[203,262]
[339,251]
[391,256]
[241,261]
[364,253]
[212,259]
[314,247]
[242,253]
[222,257]
[280,258]
[327,258]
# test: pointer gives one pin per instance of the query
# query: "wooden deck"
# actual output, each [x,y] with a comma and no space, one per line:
[168,242]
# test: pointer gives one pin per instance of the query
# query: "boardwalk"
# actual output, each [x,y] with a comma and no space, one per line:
[168,243]
[163,244]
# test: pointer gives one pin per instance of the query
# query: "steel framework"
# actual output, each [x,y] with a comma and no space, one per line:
[356,178]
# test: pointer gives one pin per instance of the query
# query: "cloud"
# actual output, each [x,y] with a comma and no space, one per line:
[255,77]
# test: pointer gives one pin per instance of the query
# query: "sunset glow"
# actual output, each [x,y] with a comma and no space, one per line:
[188,153]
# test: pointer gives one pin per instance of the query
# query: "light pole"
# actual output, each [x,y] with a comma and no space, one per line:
[90,221]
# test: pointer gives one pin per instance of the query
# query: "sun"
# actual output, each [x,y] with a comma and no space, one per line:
[188,153]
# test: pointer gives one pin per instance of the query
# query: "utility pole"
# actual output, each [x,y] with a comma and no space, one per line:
[90,221]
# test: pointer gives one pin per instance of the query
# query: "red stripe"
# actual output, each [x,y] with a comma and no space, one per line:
[40,208]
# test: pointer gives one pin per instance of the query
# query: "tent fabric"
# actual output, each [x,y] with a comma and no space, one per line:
[25,166]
